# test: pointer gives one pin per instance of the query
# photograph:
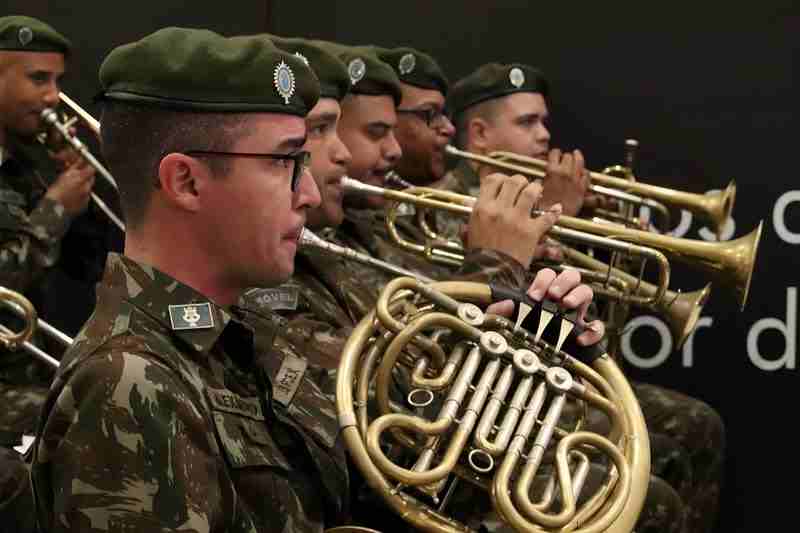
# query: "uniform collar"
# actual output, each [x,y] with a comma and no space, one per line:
[180,309]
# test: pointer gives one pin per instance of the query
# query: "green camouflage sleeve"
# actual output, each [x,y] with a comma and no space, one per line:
[30,244]
[491,266]
[124,448]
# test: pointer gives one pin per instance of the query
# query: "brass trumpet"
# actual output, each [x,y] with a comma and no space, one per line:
[730,263]
[711,208]
[486,404]
[62,126]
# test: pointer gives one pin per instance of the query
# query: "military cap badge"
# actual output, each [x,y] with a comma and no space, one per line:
[516,77]
[356,69]
[284,81]
[25,35]
[407,64]
[302,58]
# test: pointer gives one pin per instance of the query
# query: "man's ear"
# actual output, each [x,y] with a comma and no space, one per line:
[478,132]
[179,176]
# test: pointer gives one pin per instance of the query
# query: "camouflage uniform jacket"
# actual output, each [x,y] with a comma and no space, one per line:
[328,294]
[151,427]
[461,179]
[31,226]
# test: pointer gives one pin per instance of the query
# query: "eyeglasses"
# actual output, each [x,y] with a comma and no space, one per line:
[434,118]
[299,160]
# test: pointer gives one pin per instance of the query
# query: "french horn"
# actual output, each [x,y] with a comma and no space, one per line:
[486,405]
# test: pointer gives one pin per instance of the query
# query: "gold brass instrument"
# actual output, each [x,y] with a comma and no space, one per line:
[680,310]
[712,208]
[23,308]
[10,339]
[308,239]
[62,126]
[729,263]
[488,405]
[625,198]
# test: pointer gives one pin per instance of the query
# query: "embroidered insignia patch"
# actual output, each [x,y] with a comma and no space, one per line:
[191,316]
[288,379]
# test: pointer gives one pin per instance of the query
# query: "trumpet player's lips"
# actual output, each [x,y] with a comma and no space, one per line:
[379,175]
[294,235]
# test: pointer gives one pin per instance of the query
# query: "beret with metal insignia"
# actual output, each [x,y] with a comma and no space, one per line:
[368,74]
[331,72]
[27,34]
[494,80]
[415,68]
[199,70]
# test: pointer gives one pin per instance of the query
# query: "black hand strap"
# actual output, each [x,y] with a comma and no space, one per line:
[586,354]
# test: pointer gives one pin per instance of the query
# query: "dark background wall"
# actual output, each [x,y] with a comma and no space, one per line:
[706,87]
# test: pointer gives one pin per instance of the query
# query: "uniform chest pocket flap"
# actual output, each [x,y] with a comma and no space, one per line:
[243,433]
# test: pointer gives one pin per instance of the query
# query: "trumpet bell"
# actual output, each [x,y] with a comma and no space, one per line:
[683,311]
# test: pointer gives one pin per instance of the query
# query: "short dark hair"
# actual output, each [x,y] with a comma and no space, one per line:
[485,110]
[135,138]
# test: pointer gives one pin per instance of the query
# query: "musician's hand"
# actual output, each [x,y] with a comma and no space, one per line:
[501,218]
[73,187]
[567,290]
[59,150]
[566,181]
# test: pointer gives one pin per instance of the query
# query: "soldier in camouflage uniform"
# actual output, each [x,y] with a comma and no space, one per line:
[167,413]
[503,107]
[41,195]
[36,210]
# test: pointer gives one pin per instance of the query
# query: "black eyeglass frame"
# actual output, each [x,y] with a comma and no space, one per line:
[427,115]
[301,159]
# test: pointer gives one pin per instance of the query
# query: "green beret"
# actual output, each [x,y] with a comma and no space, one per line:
[415,68]
[26,34]
[494,80]
[368,74]
[199,70]
[331,72]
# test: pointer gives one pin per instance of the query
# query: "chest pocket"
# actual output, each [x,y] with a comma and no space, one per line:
[242,431]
